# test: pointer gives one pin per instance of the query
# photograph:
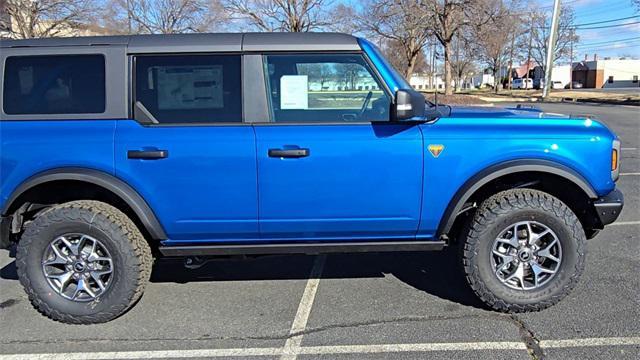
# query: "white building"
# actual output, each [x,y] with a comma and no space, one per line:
[426,81]
[607,73]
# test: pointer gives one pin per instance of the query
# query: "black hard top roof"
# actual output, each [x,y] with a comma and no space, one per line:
[231,42]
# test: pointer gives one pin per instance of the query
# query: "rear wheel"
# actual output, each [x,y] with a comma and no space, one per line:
[524,251]
[83,262]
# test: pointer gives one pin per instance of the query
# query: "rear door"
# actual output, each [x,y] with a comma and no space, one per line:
[330,165]
[196,166]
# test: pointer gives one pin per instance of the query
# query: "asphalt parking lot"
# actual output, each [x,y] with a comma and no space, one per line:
[366,306]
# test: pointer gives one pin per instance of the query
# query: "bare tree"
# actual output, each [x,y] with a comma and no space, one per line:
[402,23]
[45,18]
[495,37]
[343,16]
[463,60]
[162,16]
[393,51]
[448,18]
[540,35]
[281,15]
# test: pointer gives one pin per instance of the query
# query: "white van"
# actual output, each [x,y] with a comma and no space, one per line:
[522,83]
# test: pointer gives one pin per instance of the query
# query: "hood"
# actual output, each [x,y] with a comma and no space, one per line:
[499,112]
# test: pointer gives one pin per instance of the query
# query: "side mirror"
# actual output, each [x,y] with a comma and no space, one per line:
[408,105]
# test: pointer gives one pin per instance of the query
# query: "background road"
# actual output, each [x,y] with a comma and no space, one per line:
[367,306]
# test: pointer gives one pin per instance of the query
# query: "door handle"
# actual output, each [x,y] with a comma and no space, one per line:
[288,153]
[147,154]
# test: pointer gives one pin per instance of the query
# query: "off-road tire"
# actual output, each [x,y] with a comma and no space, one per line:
[132,260]
[498,212]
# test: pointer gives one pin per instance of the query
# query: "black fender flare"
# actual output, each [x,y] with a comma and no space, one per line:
[505,168]
[99,178]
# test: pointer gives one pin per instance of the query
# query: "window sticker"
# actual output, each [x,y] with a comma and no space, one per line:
[190,87]
[294,92]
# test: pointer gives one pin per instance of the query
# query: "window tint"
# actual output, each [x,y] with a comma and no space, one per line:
[190,89]
[324,88]
[60,84]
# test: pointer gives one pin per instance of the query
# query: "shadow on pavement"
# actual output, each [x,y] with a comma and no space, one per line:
[437,273]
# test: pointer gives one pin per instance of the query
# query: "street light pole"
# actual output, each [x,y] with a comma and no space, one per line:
[551,48]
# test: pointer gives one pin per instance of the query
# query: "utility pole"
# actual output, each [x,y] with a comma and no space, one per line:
[529,53]
[571,65]
[129,17]
[513,40]
[551,46]
[457,67]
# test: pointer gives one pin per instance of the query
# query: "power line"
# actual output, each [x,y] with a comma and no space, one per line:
[607,26]
[613,47]
[608,41]
[608,21]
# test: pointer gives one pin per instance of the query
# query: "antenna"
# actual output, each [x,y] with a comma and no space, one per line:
[436,99]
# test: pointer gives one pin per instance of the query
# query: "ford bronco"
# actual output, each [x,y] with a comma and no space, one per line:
[118,150]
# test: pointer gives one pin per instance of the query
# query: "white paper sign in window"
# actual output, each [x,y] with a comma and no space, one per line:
[190,87]
[294,92]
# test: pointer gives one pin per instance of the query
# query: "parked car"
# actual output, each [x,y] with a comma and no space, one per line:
[116,150]
[522,84]
[539,84]
[575,85]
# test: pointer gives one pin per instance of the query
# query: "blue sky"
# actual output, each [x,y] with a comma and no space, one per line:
[609,41]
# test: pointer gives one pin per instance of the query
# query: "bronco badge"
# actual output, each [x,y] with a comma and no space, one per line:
[435,149]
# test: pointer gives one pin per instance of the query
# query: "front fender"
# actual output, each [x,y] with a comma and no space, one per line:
[506,168]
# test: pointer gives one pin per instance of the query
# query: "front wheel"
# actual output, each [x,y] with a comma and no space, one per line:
[524,251]
[83,262]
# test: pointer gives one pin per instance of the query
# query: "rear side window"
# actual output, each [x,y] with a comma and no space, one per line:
[190,88]
[57,84]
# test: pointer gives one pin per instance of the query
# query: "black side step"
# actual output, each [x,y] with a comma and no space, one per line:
[301,248]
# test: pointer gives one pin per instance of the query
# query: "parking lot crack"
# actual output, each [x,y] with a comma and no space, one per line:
[528,337]
[404,319]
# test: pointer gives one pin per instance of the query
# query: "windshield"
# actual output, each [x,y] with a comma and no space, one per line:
[390,75]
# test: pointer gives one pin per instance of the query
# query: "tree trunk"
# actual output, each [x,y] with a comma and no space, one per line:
[447,69]
[410,66]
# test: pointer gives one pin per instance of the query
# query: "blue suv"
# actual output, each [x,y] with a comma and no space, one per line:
[118,150]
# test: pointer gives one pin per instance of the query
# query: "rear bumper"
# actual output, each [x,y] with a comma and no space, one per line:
[609,206]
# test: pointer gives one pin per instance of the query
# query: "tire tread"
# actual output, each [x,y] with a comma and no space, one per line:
[90,212]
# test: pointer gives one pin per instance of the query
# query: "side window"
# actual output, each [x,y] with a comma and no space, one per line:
[56,84]
[178,89]
[324,88]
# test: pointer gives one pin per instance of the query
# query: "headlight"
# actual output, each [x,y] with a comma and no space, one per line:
[615,160]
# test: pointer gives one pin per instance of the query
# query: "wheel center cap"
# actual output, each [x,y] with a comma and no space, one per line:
[79,266]
[525,254]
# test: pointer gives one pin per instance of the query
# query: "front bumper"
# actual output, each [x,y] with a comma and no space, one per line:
[609,206]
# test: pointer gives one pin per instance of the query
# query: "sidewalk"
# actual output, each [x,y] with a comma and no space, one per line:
[558,96]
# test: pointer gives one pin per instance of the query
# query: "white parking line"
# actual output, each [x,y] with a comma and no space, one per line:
[622,223]
[630,174]
[612,341]
[161,354]
[292,345]
[396,348]
[330,350]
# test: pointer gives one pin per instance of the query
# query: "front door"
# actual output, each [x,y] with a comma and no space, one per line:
[330,165]
[189,154]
